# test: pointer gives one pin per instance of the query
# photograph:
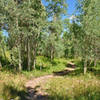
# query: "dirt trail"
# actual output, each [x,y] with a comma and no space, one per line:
[34,89]
[36,81]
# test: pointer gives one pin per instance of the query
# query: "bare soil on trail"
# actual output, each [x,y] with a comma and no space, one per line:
[34,86]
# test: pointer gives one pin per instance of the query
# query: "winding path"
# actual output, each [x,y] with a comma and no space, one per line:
[34,89]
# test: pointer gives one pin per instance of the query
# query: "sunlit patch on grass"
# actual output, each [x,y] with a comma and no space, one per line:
[76,88]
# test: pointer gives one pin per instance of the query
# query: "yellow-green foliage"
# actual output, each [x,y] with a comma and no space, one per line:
[45,66]
[11,85]
[76,88]
[43,61]
[46,62]
[8,55]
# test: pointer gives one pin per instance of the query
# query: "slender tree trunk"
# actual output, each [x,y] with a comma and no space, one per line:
[52,49]
[3,49]
[95,57]
[0,65]
[19,46]
[28,54]
[34,63]
[34,59]
[51,53]
[20,60]
[95,61]
[85,66]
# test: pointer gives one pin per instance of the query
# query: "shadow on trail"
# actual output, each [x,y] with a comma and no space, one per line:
[35,95]
[62,73]
[10,92]
[68,71]
[77,72]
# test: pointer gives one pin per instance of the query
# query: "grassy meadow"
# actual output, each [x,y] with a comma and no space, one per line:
[72,86]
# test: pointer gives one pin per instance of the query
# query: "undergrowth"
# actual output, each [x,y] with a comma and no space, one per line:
[44,66]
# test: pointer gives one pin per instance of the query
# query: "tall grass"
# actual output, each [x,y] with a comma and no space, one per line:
[11,85]
[75,88]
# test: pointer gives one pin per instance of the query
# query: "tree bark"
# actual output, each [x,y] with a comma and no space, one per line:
[95,62]
[20,60]
[0,65]
[3,49]
[51,53]
[28,55]
[19,46]
[95,57]
[34,63]
[34,59]
[85,66]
